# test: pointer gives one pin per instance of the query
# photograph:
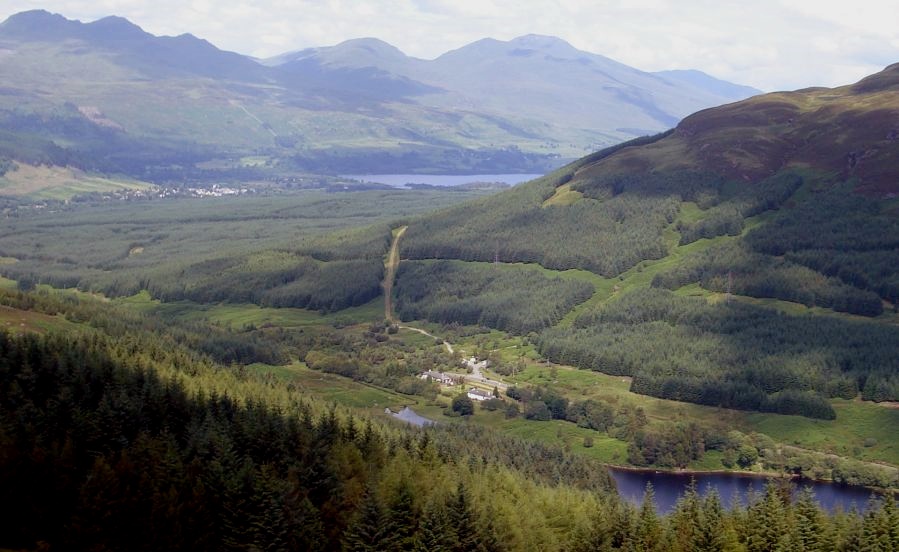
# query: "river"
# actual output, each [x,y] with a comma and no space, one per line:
[400,180]
[668,487]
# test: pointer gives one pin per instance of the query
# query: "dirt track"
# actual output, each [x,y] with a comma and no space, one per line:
[391,264]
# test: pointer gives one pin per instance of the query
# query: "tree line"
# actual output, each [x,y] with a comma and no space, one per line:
[510,298]
[730,354]
[102,448]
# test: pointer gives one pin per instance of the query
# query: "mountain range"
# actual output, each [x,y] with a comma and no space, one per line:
[109,96]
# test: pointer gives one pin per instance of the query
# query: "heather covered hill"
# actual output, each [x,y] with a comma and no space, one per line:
[851,131]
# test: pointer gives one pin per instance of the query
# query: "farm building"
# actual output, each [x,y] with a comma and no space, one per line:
[439,377]
[479,394]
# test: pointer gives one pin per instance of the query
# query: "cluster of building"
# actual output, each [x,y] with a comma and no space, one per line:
[442,378]
[439,377]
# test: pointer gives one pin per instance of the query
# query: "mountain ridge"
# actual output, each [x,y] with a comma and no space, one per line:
[852,131]
[362,106]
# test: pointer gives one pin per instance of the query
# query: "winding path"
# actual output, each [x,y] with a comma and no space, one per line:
[449,347]
[391,263]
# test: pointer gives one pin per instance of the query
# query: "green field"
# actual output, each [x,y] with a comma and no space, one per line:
[19,321]
[340,390]
[237,316]
[39,182]
[856,422]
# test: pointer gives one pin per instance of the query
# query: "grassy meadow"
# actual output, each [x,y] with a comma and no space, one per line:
[60,183]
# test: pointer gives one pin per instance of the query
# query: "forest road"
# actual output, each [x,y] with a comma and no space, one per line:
[390,266]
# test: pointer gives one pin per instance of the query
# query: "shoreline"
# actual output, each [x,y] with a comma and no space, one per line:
[746,474]
[725,471]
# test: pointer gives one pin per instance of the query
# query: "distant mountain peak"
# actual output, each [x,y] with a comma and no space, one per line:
[115,28]
[370,46]
[42,25]
[540,41]
[356,53]
[33,16]
[36,24]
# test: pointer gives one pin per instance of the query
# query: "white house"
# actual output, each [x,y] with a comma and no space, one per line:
[479,395]
[439,377]
[474,364]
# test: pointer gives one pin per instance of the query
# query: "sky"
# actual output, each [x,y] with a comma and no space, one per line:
[769,44]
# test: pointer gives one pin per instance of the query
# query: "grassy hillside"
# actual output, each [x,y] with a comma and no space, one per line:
[786,197]
[849,132]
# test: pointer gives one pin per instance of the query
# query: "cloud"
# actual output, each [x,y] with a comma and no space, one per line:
[774,44]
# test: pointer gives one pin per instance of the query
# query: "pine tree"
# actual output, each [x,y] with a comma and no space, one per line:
[808,521]
[402,520]
[648,535]
[597,536]
[435,534]
[367,531]
[875,529]
[268,523]
[623,526]
[685,519]
[890,511]
[305,526]
[767,524]
[462,522]
[708,537]
[851,538]
[488,541]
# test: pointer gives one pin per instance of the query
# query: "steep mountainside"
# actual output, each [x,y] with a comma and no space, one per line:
[768,229]
[543,77]
[108,96]
[851,130]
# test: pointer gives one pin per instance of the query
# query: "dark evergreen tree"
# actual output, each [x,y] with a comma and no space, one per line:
[809,530]
[648,532]
[402,520]
[462,521]
[709,531]
[767,524]
[368,530]
[435,531]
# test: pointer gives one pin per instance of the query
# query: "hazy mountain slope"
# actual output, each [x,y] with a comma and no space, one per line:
[543,77]
[707,84]
[108,95]
[130,46]
[587,90]
[121,100]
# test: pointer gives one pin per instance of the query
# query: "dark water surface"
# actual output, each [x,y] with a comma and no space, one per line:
[412,417]
[668,487]
[400,180]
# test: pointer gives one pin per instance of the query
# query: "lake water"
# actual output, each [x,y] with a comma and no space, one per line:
[400,180]
[668,487]
[410,416]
